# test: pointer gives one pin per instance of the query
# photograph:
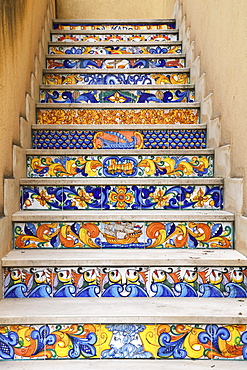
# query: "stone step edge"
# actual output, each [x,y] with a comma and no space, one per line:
[113,44]
[119,127]
[123,258]
[120,105]
[122,181]
[112,310]
[111,21]
[115,56]
[120,152]
[118,87]
[123,215]
[114,32]
[121,364]
[115,70]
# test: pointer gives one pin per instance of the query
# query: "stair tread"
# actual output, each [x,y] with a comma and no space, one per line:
[123,257]
[119,127]
[123,215]
[123,43]
[117,87]
[111,310]
[116,32]
[120,105]
[110,21]
[114,56]
[115,70]
[121,364]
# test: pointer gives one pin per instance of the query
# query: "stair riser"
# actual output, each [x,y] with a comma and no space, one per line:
[110,197]
[175,95]
[120,166]
[117,116]
[119,25]
[128,341]
[115,49]
[115,78]
[117,281]
[129,235]
[113,62]
[134,37]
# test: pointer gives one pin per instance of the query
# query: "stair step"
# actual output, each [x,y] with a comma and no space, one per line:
[117,137]
[120,94]
[155,163]
[107,77]
[108,49]
[118,24]
[121,364]
[166,114]
[77,61]
[114,35]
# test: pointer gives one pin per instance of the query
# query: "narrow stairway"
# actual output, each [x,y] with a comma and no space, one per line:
[121,245]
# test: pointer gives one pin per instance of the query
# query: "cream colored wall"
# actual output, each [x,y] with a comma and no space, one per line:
[114,9]
[218,28]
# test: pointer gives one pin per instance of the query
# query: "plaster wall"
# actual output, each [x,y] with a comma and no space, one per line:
[114,9]
[218,28]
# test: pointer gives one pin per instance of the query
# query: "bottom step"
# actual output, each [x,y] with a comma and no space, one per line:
[161,329]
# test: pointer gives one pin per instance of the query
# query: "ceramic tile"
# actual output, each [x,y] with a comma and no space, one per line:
[71,282]
[187,139]
[114,37]
[114,26]
[42,197]
[110,63]
[68,95]
[124,282]
[76,341]
[202,197]
[51,139]
[117,116]
[160,197]
[82,197]
[121,197]
[128,341]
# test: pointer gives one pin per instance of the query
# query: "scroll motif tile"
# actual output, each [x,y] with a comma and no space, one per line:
[127,234]
[33,282]
[120,166]
[110,62]
[124,282]
[159,37]
[114,26]
[122,197]
[115,78]
[128,341]
[116,116]
[115,96]
[115,49]
[122,139]
[71,282]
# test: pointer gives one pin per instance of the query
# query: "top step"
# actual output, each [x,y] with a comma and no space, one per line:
[85,24]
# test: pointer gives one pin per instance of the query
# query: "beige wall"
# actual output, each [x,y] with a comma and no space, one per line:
[218,28]
[114,9]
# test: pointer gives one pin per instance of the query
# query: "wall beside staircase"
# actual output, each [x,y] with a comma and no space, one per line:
[24,33]
[114,9]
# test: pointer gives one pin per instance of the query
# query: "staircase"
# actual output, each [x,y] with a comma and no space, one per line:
[120,200]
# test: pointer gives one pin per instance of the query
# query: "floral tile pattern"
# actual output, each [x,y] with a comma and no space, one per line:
[76,116]
[110,62]
[130,341]
[142,139]
[120,166]
[120,197]
[159,37]
[131,235]
[114,26]
[116,78]
[115,49]
[115,96]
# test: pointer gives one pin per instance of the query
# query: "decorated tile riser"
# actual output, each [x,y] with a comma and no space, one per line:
[123,341]
[114,37]
[142,139]
[117,96]
[116,78]
[110,62]
[123,235]
[115,49]
[117,116]
[120,197]
[120,166]
[68,282]
[119,27]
